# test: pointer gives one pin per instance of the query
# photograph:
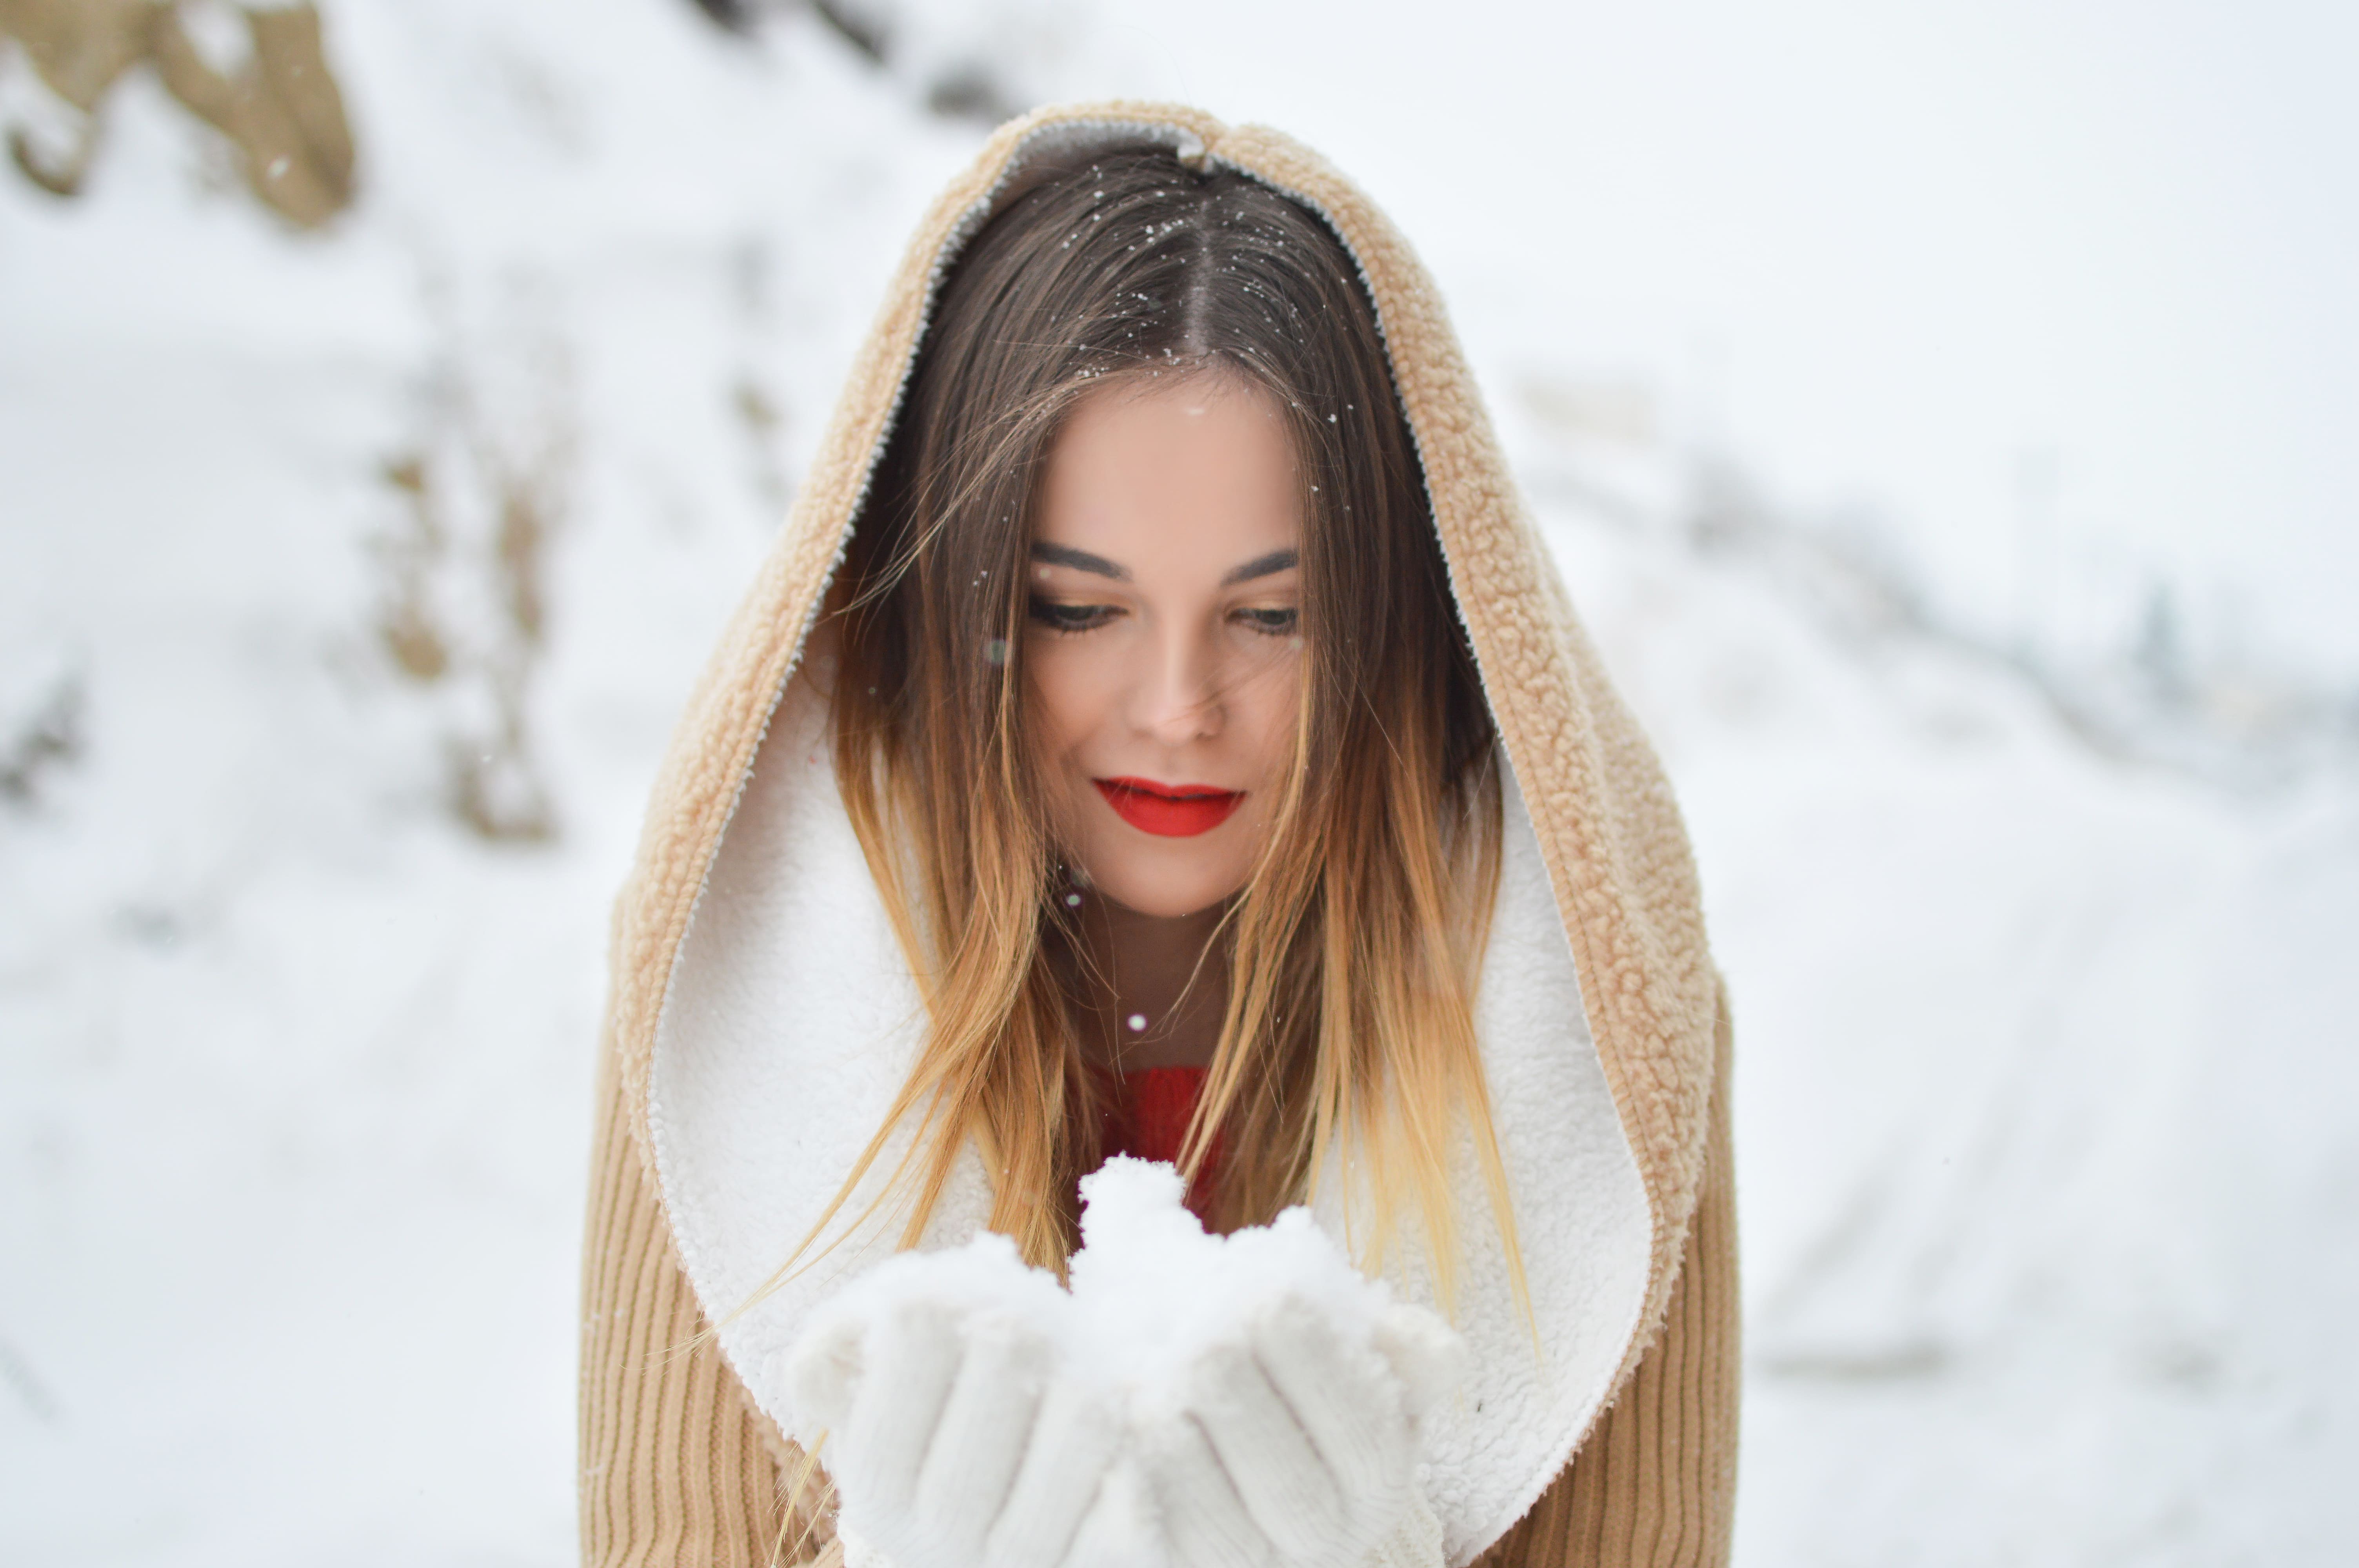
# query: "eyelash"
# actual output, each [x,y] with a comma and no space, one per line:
[1070,617]
[1073,618]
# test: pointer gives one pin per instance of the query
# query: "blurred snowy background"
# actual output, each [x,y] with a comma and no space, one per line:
[1943,415]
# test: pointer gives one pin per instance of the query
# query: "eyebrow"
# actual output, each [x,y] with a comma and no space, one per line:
[1263,566]
[1080,560]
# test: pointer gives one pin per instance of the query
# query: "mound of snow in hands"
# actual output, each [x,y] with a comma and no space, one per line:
[972,1410]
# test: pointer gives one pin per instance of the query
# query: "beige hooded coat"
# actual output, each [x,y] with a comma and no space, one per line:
[761,1016]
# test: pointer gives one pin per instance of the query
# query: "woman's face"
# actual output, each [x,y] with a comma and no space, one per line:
[1163,652]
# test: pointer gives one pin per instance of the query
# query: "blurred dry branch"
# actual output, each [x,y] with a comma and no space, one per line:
[277,105]
[759,416]
[462,608]
[963,86]
[862,32]
[407,555]
[2145,700]
[2144,690]
[851,24]
[44,734]
[30,1391]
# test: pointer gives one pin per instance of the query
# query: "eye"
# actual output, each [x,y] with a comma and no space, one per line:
[1271,621]
[1060,617]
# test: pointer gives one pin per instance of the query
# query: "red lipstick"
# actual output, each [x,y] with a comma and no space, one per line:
[1168,811]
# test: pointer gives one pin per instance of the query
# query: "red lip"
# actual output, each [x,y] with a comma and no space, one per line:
[1168,811]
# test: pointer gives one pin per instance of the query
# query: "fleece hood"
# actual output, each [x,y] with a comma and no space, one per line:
[763,1016]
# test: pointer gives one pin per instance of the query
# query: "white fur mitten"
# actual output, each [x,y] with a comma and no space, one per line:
[1297,1441]
[1278,1419]
[930,1391]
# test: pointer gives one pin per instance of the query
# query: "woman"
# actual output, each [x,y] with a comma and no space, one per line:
[1121,751]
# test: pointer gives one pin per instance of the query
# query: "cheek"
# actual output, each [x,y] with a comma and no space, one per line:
[1066,705]
[1269,707]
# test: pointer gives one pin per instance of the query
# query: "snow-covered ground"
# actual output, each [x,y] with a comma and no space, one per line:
[2048,1096]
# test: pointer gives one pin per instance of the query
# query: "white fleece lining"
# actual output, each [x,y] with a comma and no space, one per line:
[792,1018]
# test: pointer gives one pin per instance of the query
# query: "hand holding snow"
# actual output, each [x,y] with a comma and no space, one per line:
[1195,1399]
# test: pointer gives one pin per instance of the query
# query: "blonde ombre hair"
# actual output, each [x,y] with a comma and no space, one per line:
[1348,1041]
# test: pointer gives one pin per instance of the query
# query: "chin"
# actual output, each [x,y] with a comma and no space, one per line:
[1161,892]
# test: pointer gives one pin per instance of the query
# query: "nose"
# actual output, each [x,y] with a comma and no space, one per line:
[1177,698]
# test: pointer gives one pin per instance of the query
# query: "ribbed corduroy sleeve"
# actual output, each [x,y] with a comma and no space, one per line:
[1655,1483]
[679,1470]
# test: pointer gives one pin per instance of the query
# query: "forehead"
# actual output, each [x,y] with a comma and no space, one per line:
[1196,471]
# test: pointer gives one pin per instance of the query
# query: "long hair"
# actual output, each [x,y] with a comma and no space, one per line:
[1348,1040]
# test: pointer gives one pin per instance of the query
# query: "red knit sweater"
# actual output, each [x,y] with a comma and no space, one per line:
[1146,1115]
